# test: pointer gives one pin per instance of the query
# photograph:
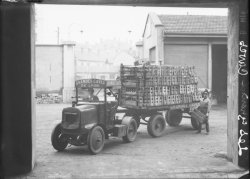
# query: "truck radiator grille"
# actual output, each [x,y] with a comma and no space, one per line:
[70,117]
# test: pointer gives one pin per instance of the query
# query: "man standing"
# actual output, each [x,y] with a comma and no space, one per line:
[92,97]
[204,107]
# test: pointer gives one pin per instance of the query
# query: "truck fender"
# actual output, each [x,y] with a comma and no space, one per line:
[90,126]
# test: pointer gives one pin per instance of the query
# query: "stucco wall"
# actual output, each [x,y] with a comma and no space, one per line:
[49,67]
[149,41]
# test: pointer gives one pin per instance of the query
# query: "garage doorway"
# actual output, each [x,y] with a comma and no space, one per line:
[219,73]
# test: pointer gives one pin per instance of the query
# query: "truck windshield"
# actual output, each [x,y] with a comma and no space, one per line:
[86,95]
[90,94]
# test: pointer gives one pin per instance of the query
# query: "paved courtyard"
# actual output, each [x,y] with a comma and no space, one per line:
[179,153]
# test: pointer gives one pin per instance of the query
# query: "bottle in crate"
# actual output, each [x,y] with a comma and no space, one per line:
[177,89]
[192,88]
[173,99]
[151,101]
[173,90]
[178,99]
[194,97]
[164,100]
[161,101]
[179,80]
[159,79]
[156,101]
[168,90]
[141,101]
[151,91]
[196,79]
[164,91]
[172,80]
[184,98]
[159,90]
[192,79]
[165,80]
[190,98]
[188,89]
[181,89]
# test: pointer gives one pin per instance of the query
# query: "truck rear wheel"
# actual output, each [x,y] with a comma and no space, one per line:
[173,117]
[135,116]
[58,142]
[156,125]
[96,139]
[131,132]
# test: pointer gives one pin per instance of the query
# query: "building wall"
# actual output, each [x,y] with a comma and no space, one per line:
[49,67]
[139,52]
[150,38]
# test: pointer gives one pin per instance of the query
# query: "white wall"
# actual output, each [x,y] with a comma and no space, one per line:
[154,39]
[49,67]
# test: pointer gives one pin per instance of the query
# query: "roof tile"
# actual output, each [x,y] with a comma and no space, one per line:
[194,24]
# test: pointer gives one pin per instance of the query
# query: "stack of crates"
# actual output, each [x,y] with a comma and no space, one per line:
[154,85]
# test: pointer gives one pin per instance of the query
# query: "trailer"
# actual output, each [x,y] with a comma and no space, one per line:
[154,95]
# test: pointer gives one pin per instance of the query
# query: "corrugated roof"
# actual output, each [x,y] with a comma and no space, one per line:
[197,24]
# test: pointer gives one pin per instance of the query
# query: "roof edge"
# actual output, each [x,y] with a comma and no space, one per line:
[219,35]
[156,21]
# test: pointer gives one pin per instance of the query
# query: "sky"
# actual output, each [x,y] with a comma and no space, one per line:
[92,23]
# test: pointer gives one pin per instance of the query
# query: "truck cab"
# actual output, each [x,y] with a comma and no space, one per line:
[91,118]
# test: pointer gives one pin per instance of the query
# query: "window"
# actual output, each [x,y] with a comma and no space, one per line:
[152,54]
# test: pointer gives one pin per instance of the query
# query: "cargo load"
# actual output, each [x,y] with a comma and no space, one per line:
[148,86]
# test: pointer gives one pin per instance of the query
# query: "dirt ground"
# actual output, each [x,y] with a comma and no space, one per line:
[179,153]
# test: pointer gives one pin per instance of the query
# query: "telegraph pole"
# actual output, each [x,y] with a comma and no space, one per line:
[58,35]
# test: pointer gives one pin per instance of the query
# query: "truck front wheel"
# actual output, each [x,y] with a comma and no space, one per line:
[156,125]
[96,139]
[58,142]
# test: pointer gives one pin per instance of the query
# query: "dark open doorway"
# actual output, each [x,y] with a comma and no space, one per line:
[219,72]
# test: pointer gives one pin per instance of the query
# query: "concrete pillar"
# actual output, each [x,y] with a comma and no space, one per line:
[243,89]
[209,66]
[232,83]
[160,45]
[68,71]
[17,88]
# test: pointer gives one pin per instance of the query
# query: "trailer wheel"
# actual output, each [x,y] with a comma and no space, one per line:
[156,125]
[131,132]
[173,117]
[194,123]
[96,139]
[135,116]
[58,142]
